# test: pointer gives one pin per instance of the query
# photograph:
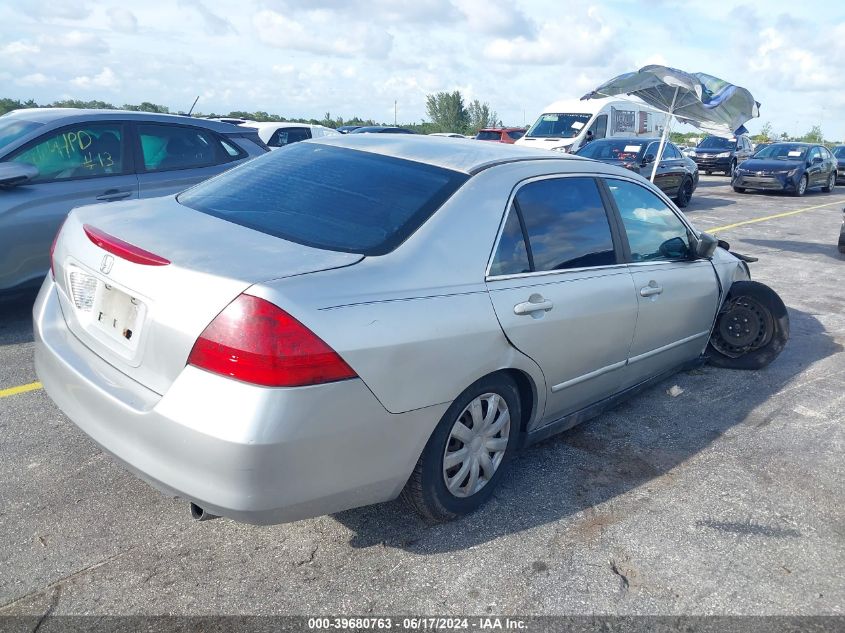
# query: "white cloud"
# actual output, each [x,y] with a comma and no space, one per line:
[214,24]
[76,40]
[582,39]
[35,79]
[19,48]
[105,79]
[122,20]
[323,35]
[496,17]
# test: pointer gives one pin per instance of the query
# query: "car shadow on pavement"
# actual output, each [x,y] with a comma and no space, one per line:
[16,319]
[640,444]
[807,248]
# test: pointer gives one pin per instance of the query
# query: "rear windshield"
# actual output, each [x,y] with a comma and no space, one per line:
[487,135]
[13,128]
[717,142]
[328,197]
[613,150]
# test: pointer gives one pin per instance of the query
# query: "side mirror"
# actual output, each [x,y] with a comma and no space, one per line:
[817,160]
[13,174]
[675,248]
[704,245]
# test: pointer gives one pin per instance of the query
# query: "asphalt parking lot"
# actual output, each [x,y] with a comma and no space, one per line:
[726,499]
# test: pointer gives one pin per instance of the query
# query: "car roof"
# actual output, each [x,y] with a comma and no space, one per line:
[62,116]
[632,139]
[501,129]
[281,124]
[464,155]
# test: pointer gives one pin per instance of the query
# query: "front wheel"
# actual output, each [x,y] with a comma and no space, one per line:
[801,187]
[464,458]
[739,189]
[831,183]
[751,329]
[732,170]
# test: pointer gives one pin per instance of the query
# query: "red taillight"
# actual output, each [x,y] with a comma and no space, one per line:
[257,342]
[122,249]
[53,248]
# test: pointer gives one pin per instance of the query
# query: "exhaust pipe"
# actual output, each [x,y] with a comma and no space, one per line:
[201,515]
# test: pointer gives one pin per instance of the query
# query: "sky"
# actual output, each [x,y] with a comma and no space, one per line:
[303,58]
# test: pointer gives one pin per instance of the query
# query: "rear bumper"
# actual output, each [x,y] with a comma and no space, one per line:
[254,454]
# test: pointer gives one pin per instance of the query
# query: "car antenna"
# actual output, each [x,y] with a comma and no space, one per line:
[194,104]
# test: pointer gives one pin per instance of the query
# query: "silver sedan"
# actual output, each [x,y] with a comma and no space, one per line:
[347,320]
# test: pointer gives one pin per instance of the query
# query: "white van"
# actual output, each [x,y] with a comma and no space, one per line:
[563,126]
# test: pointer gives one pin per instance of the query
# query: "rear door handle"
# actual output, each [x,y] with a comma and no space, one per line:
[113,194]
[535,303]
[651,289]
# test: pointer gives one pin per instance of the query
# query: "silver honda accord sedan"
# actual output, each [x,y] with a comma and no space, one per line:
[351,319]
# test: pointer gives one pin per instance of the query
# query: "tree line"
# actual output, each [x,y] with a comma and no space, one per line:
[447,112]
[766,135]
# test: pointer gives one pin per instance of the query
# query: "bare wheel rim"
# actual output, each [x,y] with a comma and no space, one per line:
[476,445]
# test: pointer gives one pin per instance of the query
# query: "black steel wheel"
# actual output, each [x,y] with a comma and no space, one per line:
[751,329]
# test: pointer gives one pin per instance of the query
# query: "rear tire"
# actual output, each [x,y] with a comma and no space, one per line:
[684,193]
[739,189]
[751,329]
[438,490]
[708,172]
[831,183]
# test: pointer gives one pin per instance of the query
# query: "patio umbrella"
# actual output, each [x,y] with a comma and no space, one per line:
[699,99]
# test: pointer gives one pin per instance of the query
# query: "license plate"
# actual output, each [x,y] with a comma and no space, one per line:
[112,315]
[117,314]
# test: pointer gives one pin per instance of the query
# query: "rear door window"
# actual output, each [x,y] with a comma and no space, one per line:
[78,151]
[171,147]
[654,231]
[565,224]
[328,197]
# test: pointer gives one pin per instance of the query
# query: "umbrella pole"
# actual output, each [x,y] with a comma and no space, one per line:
[663,137]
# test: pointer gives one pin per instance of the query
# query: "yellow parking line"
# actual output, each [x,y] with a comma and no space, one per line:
[771,217]
[13,391]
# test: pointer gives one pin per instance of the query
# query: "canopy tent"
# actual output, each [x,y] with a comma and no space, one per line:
[698,99]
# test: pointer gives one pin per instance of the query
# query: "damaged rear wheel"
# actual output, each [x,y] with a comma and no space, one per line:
[751,330]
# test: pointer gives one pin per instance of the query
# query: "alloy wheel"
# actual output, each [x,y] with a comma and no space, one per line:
[802,185]
[476,445]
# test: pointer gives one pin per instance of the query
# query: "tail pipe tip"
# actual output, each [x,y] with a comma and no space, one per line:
[200,514]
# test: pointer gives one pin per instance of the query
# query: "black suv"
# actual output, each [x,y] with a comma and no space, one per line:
[716,153]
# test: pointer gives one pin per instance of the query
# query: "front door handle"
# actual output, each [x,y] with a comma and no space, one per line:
[113,194]
[535,303]
[651,289]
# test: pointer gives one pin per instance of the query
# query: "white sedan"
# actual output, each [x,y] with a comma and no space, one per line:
[277,135]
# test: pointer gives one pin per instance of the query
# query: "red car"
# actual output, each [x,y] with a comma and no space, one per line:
[500,134]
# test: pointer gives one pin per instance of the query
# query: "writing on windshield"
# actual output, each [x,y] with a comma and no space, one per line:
[558,125]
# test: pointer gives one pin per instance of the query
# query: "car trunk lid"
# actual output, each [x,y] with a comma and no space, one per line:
[139,281]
